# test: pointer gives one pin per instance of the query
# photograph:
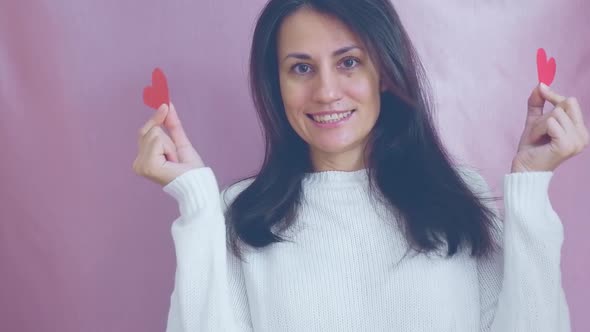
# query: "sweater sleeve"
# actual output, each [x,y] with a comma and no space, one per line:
[209,291]
[520,284]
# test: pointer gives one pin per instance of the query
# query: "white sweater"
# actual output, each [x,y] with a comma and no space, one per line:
[346,268]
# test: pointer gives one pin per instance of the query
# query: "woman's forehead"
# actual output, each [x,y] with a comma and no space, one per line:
[309,31]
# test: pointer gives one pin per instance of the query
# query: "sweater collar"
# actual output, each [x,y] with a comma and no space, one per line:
[336,179]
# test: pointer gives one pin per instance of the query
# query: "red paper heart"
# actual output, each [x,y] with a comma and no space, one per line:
[156,94]
[545,69]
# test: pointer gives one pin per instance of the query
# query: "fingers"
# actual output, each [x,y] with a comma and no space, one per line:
[559,126]
[536,101]
[156,143]
[174,127]
[550,95]
[549,126]
[567,144]
[554,129]
[540,127]
[564,121]
[156,120]
[573,109]
[161,144]
[569,104]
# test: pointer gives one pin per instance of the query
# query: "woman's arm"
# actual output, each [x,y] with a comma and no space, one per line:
[520,285]
[209,291]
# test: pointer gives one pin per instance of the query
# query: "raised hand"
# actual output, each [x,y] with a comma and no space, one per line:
[162,155]
[551,138]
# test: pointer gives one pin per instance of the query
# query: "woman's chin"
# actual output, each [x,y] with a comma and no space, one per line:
[332,147]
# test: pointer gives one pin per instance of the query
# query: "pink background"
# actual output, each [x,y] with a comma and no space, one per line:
[85,244]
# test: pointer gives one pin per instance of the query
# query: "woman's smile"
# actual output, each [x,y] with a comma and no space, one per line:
[331,119]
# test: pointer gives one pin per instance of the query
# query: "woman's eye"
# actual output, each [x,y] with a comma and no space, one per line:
[350,63]
[301,68]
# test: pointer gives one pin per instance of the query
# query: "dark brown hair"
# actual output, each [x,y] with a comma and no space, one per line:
[407,162]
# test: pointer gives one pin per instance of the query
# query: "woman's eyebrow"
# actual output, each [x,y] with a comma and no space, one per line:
[304,56]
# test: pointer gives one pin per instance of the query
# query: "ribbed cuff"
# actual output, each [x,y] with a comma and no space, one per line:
[194,190]
[526,196]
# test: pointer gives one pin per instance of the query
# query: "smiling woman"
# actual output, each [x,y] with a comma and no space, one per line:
[358,220]
[336,96]
[329,87]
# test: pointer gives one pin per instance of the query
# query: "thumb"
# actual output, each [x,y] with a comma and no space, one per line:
[156,120]
[174,127]
[536,102]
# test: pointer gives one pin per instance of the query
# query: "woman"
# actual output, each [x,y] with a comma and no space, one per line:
[358,219]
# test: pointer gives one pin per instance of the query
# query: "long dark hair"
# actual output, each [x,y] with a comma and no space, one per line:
[406,162]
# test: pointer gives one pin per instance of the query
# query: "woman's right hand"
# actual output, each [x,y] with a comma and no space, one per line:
[162,157]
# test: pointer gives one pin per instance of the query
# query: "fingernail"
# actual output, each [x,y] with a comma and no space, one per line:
[544,86]
[163,108]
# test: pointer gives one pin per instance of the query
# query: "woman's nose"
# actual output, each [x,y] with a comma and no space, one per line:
[327,88]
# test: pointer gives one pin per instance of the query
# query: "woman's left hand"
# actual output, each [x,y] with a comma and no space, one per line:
[551,138]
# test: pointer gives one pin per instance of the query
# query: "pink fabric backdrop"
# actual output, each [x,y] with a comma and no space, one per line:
[85,244]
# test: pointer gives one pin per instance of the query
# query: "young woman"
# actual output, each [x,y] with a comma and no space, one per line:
[359,220]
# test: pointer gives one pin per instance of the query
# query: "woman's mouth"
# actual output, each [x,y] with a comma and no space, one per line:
[331,120]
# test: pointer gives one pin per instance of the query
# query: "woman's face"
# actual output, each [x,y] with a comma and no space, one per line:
[330,88]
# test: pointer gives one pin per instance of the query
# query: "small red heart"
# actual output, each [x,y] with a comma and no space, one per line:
[157,94]
[545,69]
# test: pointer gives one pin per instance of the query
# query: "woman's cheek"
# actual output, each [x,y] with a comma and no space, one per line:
[362,88]
[298,96]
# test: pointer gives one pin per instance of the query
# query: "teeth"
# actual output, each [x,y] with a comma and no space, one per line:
[331,117]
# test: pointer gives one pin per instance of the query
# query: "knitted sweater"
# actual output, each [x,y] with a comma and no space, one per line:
[346,266]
